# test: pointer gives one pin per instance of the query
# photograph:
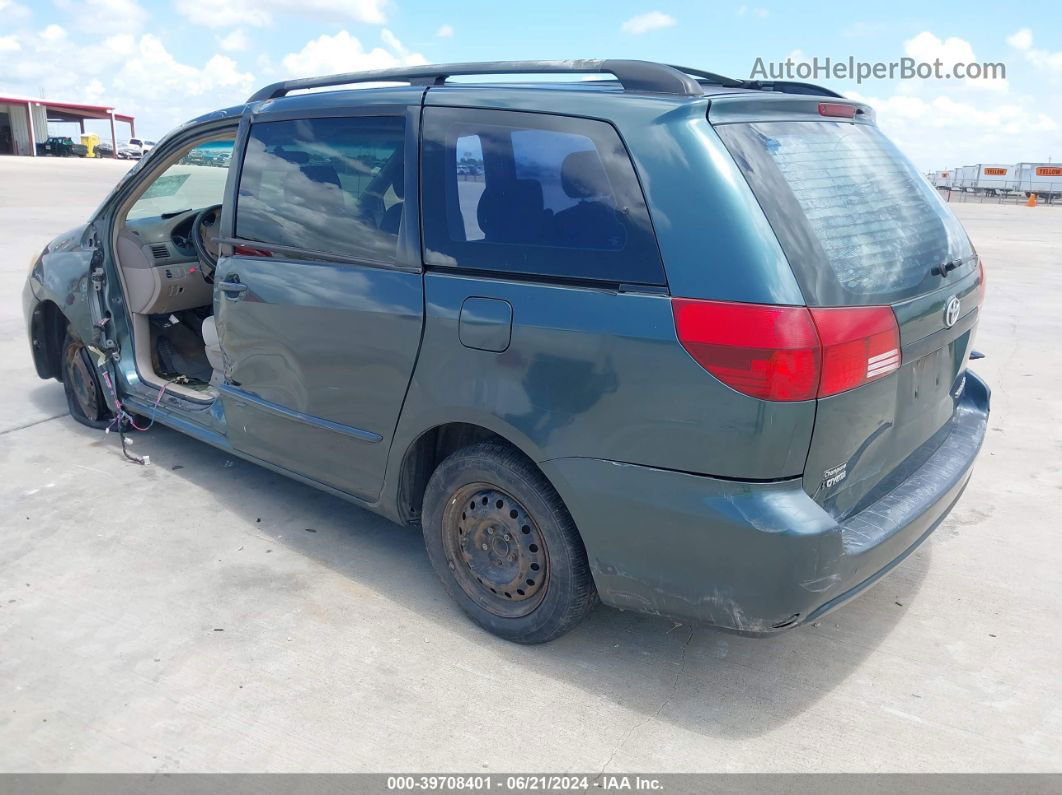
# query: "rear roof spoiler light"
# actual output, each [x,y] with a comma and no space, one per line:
[839,109]
[789,353]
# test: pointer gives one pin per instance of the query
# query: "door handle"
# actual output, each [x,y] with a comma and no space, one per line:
[232,290]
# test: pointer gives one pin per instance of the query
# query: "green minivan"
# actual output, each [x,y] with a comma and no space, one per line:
[692,345]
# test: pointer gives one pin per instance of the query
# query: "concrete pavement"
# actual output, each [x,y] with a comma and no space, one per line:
[203,614]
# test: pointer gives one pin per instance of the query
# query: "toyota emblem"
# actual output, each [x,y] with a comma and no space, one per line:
[951,311]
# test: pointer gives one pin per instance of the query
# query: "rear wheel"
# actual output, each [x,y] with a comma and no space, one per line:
[504,545]
[84,394]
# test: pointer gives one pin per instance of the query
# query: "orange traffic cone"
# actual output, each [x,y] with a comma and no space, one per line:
[1032,200]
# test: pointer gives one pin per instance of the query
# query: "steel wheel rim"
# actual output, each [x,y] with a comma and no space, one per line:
[495,550]
[82,383]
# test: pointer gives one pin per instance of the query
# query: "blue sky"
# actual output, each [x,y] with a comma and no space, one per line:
[166,62]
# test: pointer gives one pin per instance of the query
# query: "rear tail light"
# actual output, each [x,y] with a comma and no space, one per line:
[788,352]
[980,282]
[768,352]
[859,344]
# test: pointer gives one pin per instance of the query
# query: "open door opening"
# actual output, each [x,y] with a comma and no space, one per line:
[165,240]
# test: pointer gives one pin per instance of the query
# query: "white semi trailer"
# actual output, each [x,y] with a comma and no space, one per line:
[965,178]
[987,178]
[1043,179]
[943,179]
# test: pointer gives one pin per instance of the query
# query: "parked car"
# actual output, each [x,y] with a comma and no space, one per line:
[650,355]
[140,145]
[128,151]
[61,146]
[104,149]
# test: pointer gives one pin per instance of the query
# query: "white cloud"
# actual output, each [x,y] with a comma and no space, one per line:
[225,13]
[11,11]
[121,43]
[258,13]
[445,32]
[860,29]
[103,16]
[94,91]
[927,48]
[345,53]
[237,41]
[371,11]
[944,123]
[170,79]
[120,14]
[942,131]
[53,33]
[9,44]
[391,40]
[135,74]
[756,12]
[1021,39]
[643,23]
[1042,59]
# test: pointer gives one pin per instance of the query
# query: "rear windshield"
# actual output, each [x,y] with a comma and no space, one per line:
[858,223]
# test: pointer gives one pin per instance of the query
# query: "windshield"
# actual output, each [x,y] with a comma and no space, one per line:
[196,181]
[856,220]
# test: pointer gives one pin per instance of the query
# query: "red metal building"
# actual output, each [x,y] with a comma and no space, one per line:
[24,122]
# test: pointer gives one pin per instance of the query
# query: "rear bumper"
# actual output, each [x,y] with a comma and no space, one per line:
[755,558]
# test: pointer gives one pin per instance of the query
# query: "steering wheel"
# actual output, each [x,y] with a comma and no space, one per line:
[205,230]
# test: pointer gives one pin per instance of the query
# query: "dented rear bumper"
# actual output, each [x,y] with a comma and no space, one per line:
[755,558]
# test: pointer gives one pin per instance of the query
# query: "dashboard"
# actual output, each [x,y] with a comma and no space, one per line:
[169,236]
[160,265]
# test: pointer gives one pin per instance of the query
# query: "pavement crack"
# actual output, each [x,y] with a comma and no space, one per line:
[655,713]
[31,424]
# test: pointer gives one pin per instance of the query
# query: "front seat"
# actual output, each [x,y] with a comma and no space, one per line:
[592,222]
[212,346]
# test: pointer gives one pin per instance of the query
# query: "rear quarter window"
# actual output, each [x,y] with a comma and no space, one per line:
[534,194]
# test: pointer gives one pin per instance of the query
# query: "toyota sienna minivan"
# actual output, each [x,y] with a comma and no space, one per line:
[691,345]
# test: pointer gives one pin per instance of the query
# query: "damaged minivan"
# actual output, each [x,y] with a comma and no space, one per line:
[690,345]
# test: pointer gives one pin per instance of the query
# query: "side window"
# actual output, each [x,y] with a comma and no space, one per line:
[195,182]
[530,193]
[324,185]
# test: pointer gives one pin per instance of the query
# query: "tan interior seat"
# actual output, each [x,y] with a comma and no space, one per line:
[213,350]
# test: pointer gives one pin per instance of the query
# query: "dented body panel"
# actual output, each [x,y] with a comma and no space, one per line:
[756,558]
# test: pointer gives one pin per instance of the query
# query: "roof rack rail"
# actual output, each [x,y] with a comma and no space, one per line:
[711,77]
[783,86]
[632,75]
[791,87]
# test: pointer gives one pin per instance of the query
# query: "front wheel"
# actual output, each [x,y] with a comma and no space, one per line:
[504,545]
[84,394]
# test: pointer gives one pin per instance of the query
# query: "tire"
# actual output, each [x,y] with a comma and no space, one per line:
[85,397]
[504,546]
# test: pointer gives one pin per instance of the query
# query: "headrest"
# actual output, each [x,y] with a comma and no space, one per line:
[321,173]
[583,176]
[292,156]
[508,210]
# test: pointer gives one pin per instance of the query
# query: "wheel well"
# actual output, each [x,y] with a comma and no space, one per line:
[427,452]
[47,333]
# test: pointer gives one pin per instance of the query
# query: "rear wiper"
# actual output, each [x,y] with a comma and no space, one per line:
[946,268]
